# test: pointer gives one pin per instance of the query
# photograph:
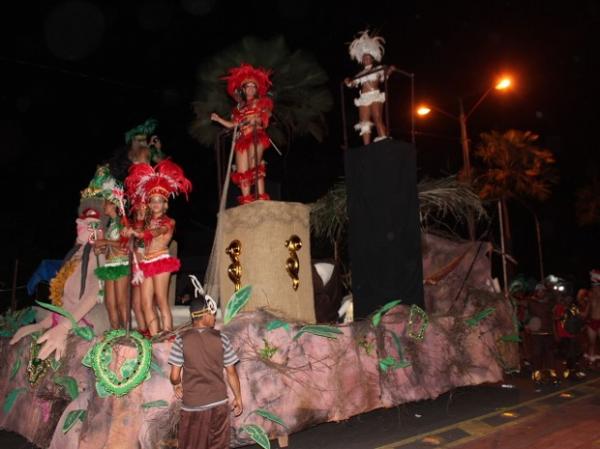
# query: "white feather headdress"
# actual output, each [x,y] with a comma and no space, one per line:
[366,44]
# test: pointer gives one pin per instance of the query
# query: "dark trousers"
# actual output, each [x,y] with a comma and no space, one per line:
[208,429]
[569,351]
[542,354]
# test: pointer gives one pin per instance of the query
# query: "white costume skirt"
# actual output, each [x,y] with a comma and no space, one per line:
[367,98]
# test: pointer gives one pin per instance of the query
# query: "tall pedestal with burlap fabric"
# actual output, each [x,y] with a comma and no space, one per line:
[262,228]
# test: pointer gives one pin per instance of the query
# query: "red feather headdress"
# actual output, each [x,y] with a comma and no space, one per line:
[165,179]
[245,73]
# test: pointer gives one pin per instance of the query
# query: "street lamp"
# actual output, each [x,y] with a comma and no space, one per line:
[503,83]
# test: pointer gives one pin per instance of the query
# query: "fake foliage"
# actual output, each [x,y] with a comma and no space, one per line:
[11,321]
[131,373]
[479,316]
[267,351]
[299,90]
[73,418]
[320,330]
[85,332]
[390,362]
[383,310]
[11,398]
[257,433]
[276,324]
[236,303]
[69,384]
[154,404]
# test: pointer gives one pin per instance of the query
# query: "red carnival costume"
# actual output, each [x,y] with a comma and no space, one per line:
[144,182]
[251,116]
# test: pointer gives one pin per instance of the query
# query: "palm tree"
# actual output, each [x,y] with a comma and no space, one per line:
[299,93]
[587,204]
[514,168]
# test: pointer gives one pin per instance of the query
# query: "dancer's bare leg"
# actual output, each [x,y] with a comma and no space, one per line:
[148,306]
[110,300]
[161,293]
[364,115]
[377,114]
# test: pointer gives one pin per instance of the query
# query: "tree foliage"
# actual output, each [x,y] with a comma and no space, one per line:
[299,92]
[514,166]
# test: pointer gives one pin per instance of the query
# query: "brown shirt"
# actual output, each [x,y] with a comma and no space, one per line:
[203,353]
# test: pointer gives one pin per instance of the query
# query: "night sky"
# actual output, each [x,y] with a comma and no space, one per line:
[80,73]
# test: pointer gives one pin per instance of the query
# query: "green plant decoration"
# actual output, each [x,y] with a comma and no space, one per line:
[11,321]
[270,416]
[268,351]
[258,434]
[72,418]
[236,303]
[276,324]
[321,330]
[383,310]
[155,404]
[11,398]
[69,384]
[479,316]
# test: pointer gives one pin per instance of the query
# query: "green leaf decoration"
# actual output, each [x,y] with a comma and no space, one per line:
[87,358]
[72,418]
[10,399]
[60,311]
[321,330]
[69,384]
[11,321]
[102,392]
[478,317]
[258,434]
[398,344]
[154,366]
[391,363]
[383,310]
[386,363]
[276,324]
[85,332]
[54,364]
[154,404]
[15,369]
[514,338]
[236,303]
[270,416]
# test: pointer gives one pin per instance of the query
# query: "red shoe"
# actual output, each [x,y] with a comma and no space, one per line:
[245,199]
[264,196]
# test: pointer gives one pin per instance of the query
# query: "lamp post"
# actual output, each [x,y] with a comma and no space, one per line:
[424,110]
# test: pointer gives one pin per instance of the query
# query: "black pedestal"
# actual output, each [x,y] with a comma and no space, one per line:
[384,233]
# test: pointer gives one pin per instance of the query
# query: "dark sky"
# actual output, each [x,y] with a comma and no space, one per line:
[80,73]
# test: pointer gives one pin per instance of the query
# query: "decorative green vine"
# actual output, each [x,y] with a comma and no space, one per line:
[267,351]
[132,372]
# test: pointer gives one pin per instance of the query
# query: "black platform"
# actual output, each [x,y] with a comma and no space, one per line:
[384,233]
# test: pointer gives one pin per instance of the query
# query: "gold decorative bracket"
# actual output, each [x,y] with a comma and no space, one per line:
[234,250]
[292,264]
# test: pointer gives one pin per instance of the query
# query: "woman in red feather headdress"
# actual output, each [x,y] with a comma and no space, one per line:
[249,86]
[154,186]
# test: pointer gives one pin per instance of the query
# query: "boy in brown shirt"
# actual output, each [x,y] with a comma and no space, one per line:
[202,352]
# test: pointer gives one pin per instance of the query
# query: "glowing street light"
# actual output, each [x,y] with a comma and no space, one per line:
[423,110]
[503,83]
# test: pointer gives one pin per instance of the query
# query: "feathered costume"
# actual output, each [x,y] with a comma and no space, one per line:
[166,179]
[366,44]
[253,115]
